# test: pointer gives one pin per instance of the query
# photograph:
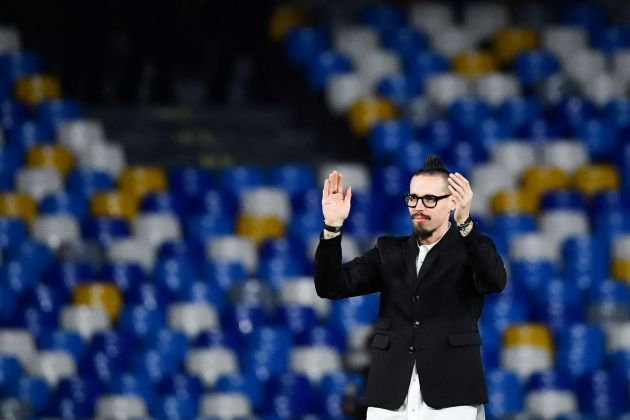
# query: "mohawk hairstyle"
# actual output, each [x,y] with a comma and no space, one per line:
[433,165]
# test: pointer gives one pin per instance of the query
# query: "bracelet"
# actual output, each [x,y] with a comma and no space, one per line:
[333,229]
[465,224]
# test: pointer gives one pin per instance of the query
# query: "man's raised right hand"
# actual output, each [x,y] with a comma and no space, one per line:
[335,204]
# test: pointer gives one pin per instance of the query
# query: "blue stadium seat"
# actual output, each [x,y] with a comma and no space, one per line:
[76,396]
[10,372]
[182,386]
[189,182]
[125,275]
[505,393]
[87,181]
[622,158]
[112,343]
[519,111]
[491,349]
[164,202]
[276,270]
[171,407]
[324,65]
[534,66]
[10,161]
[305,226]
[604,394]
[14,65]
[34,391]
[308,200]
[64,203]
[488,132]
[383,17]
[170,342]
[215,203]
[500,311]
[264,363]
[207,292]
[424,64]
[346,313]
[18,275]
[589,16]
[36,320]
[542,131]
[328,336]
[305,43]
[236,179]
[411,155]
[293,178]
[617,111]
[398,88]
[532,275]
[389,138]
[243,318]
[105,230]
[203,227]
[30,133]
[224,273]
[59,340]
[465,112]
[140,322]
[620,362]
[608,301]
[609,224]
[220,338]
[585,261]
[37,255]
[64,276]
[444,135]
[580,349]
[554,388]
[406,41]
[175,276]
[246,384]
[562,199]
[609,39]
[54,112]
[147,294]
[133,384]
[557,303]
[599,136]
[12,113]
[290,395]
[298,318]
[571,111]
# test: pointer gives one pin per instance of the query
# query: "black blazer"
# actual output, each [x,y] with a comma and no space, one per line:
[430,318]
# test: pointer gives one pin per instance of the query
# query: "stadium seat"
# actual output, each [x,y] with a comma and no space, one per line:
[505,393]
[79,135]
[55,230]
[100,294]
[156,228]
[55,157]
[540,179]
[590,179]
[59,203]
[18,343]
[18,205]
[120,406]
[550,394]
[84,320]
[192,318]
[603,394]
[513,201]
[496,88]
[64,341]
[37,182]
[55,112]
[443,89]
[34,89]
[103,156]
[132,250]
[52,366]
[514,156]
[580,350]
[223,405]
[209,364]
[527,348]
[115,203]
[34,391]
[303,43]
[608,302]
[140,181]
[368,111]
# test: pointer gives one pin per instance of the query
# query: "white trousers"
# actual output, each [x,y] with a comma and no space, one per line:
[414,408]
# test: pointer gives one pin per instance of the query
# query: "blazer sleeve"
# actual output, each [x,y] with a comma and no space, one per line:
[334,280]
[489,271]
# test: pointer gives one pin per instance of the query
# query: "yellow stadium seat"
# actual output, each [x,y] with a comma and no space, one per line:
[514,201]
[114,204]
[537,180]
[34,89]
[473,64]
[259,228]
[509,42]
[590,179]
[142,180]
[535,335]
[101,294]
[56,157]
[18,205]
[621,269]
[284,18]
[366,112]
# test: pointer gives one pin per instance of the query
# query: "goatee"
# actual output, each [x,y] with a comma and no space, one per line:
[422,234]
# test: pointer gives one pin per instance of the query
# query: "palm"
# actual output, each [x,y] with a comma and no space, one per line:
[335,204]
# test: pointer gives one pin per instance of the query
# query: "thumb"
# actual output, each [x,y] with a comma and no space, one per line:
[348,195]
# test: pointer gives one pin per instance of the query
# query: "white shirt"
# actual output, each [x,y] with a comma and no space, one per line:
[414,407]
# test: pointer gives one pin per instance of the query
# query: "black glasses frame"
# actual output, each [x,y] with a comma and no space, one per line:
[412,197]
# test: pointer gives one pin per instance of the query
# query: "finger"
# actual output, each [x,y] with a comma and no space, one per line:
[462,180]
[331,182]
[458,196]
[348,196]
[460,190]
[334,181]
[340,183]
[325,189]
[456,180]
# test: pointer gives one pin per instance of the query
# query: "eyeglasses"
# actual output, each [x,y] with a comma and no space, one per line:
[429,201]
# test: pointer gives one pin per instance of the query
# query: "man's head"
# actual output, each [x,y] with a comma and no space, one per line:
[430,215]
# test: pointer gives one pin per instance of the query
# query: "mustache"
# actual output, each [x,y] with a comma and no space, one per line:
[421,214]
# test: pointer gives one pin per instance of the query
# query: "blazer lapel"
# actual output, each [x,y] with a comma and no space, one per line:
[449,240]
[410,254]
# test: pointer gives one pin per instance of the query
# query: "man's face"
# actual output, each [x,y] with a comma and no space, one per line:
[427,220]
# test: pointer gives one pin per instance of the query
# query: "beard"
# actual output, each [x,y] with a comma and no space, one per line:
[421,233]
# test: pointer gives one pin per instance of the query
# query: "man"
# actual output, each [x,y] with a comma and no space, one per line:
[426,361]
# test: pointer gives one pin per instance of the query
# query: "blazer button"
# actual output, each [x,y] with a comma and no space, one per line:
[411,349]
[416,298]
[416,324]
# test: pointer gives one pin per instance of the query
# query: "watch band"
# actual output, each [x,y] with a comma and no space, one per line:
[464,225]
[333,229]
